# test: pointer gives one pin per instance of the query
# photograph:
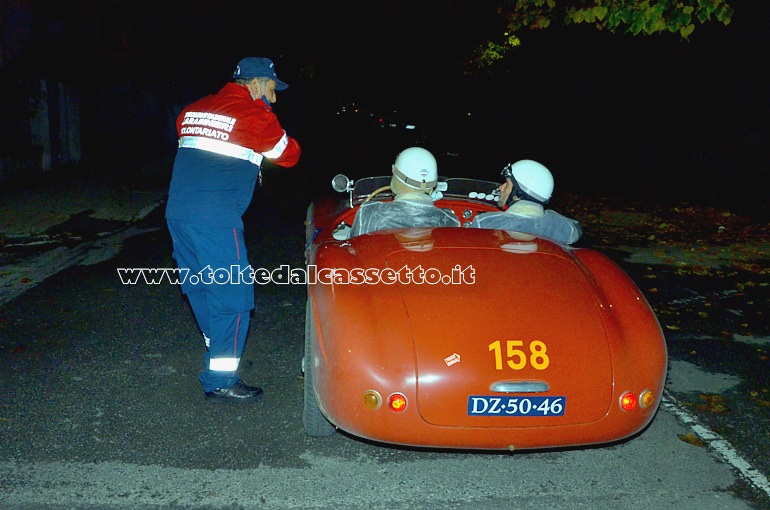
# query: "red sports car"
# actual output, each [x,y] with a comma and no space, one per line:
[462,337]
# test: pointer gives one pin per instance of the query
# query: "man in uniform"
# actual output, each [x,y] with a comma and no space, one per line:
[223,139]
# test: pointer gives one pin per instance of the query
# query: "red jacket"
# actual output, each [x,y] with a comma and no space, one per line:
[222,141]
[232,116]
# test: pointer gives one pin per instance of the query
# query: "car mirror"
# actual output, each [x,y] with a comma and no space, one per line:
[341,183]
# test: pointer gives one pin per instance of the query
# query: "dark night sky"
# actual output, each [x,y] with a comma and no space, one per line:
[594,104]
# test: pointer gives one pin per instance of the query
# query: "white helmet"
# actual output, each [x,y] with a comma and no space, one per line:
[532,178]
[416,168]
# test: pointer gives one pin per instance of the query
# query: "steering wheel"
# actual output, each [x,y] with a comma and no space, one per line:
[375,193]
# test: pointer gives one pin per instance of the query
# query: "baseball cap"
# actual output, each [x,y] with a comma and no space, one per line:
[258,67]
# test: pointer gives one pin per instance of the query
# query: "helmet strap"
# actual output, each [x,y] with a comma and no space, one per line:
[425,187]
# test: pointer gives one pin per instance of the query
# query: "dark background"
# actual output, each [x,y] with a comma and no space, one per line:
[606,112]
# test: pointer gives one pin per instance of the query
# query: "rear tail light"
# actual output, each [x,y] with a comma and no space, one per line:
[628,401]
[646,399]
[397,402]
[372,399]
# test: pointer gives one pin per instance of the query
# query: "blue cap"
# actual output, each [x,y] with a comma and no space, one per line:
[257,67]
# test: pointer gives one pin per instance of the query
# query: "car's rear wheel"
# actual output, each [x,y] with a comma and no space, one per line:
[315,423]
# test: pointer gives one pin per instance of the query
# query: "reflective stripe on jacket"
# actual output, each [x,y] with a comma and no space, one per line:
[223,140]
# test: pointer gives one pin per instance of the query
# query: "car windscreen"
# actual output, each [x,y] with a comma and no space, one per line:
[485,191]
[366,186]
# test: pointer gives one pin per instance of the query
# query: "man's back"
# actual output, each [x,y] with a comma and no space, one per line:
[401,214]
[551,225]
[223,139]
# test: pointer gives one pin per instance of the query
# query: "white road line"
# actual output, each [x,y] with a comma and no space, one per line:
[719,444]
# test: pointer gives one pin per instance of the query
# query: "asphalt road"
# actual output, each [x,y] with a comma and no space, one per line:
[100,408]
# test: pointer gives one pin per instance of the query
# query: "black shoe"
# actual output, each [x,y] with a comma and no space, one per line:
[240,392]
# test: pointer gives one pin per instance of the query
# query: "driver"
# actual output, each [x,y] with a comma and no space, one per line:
[415,175]
[528,187]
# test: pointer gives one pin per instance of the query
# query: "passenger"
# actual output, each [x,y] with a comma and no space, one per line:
[415,175]
[528,187]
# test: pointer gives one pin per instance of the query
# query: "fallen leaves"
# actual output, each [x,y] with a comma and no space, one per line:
[692,439]
[700,239]
[760,398]
[712,404]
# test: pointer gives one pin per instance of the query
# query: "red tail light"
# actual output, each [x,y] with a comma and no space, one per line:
[628,401]
[397,402]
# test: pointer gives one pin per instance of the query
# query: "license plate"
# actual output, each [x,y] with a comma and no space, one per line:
[515,405]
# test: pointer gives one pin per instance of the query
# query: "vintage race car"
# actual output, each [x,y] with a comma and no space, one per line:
[461,337]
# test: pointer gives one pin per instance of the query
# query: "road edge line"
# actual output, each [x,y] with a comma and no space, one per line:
[717,443]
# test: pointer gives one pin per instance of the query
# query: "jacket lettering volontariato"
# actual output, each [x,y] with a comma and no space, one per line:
[223,139]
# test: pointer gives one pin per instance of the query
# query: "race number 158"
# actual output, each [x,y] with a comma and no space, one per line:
[517,358]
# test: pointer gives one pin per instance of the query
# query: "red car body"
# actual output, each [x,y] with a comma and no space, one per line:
[503,341]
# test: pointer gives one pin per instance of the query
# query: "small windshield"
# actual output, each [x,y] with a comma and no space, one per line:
[474,189]
[366,186]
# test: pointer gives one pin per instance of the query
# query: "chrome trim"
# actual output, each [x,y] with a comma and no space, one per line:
[519,386]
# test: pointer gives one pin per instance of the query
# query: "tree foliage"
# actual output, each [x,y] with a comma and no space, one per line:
[635,17]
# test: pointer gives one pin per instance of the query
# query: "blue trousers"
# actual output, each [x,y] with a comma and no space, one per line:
[214,260]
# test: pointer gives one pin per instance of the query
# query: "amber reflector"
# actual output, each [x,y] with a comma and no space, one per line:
[372,399]
[646,399]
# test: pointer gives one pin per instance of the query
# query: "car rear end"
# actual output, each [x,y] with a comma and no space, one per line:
[491,340]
